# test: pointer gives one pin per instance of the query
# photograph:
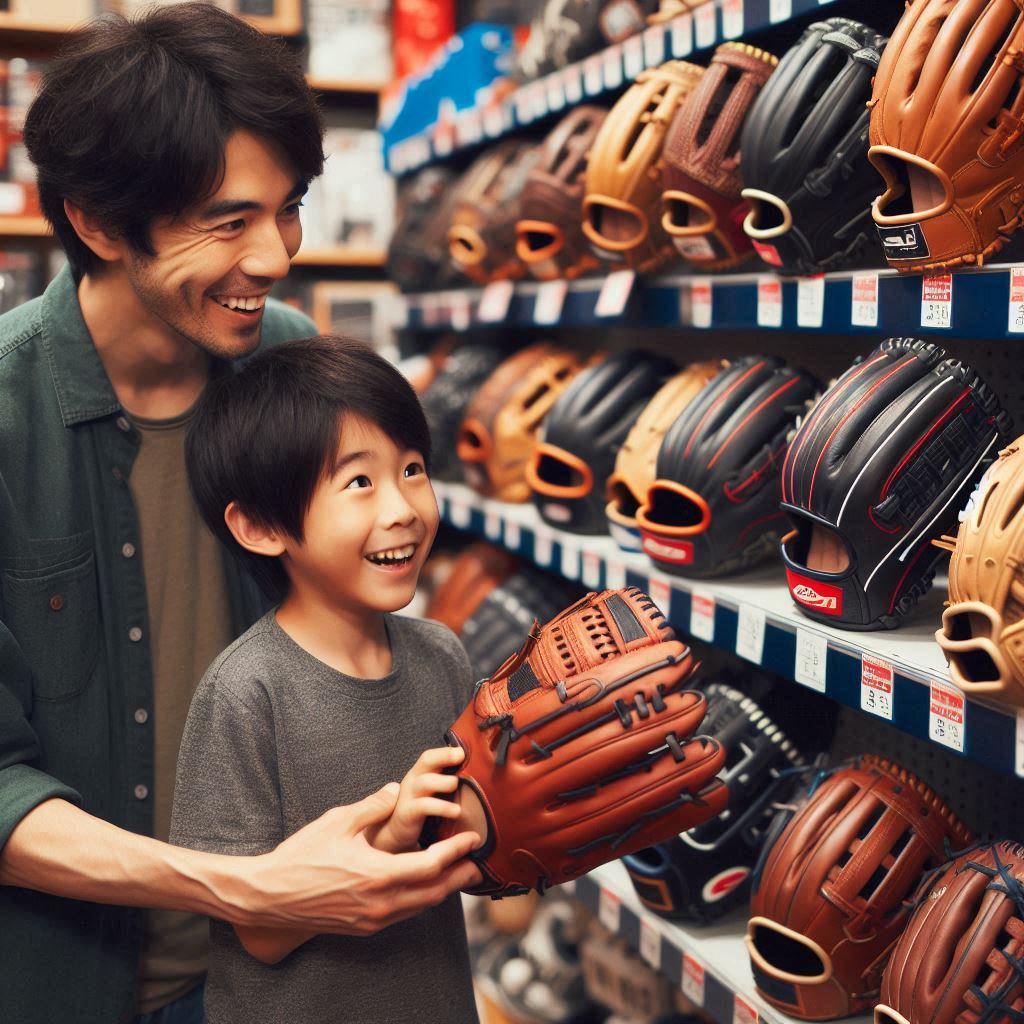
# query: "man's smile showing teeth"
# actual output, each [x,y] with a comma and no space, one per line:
[241,303]
[393,556]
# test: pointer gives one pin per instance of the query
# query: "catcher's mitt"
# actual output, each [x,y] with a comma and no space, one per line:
[549,236]
[829,901]
[982,631]
[878,468]
[580,747]
[637,459]
[499,434]
[702,874]
[703,212]
[947,135]
[481,238]
[714,507]
[622,201]
[418,251]
[961,958]
[803,153]
[582,433]
[476,572]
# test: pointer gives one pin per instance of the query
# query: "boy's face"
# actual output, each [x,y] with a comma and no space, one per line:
[368,528]
[226,251]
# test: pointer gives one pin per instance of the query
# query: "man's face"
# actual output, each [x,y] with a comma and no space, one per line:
[368,528]
[215,264]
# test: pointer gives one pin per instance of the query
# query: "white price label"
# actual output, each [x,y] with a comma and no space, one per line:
[701,300]
[732,18]
[554,87]
[769,302]
[864,304]
[591,570]
[876,686]
[1019,759]
[494,302]
[811,659]
[937,301]
[693,979]
[611,67]
[1015,323]
[633,56]
[750,633]
[399,311]
[615,292]
[593,79]
[513,535]
[538,99]
[659,589]
[780,10]
[810,301]
[743,1012]
[570,559]
[614,574]
[654,46]
[947,716]
[459,311]
[650,943]
[492,524]
[682,36]
[547,309]
[609,910]
[572,83]
[459,512]
[494,120]
[705,26]
[444,138]
[543,547]
[469,127]
[702,616]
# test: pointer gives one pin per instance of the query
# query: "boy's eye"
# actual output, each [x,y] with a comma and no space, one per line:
[358,482]
[292,209]
[414,469]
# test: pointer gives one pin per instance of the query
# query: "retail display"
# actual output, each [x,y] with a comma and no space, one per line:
[878,469]
[703,211]
[478,569]
[960,957]
[582,746]
[582,434]
[418,252]
[829,898]
[803,153]
[622,201]
[946,133]
[714,506]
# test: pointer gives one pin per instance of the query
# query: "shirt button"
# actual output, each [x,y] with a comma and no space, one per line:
[116,473]
[123,424]
[128,550]
[135,634]
[57,602]
[141,716]
[141,792]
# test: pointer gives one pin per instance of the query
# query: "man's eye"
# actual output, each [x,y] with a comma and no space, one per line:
[231,225]
[414,469]
[292,210]
[358,482]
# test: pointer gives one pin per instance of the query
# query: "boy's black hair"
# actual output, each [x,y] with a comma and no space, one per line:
[267,435]
[133,117]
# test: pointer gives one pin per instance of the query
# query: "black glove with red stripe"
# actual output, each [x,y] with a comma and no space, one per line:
[881,467]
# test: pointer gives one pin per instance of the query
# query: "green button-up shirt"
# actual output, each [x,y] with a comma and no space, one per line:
[76,682]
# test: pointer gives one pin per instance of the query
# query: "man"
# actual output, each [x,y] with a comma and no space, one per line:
[172,154]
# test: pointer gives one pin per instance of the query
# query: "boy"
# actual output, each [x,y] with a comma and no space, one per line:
[311,466]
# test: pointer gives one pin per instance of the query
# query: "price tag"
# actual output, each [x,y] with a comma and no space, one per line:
[650,944]
[547,308]
[743,1012]
[615,293]
[524,110]
[469,127]
[513,535]
[554,88]
[769,302]
[780,10]
[702,616]
[659,589]
[732,18]
[811,659]
[705,29]
[459,512]
[682,36]
[810,301]
[494,120]
[1019,759]
[654,46]
[609,910]
[399,311]
[459,311]
[538,99]
[701,303]
[750,633]
[937,301]
[430,311]
[633,57]
[572,83]
[570,558]
[611,67]
[947,716]
[593,79]
[543,547]
[444,140]
[614,574]
[495,301]
[693,979]
[1015,323]
[591,571]
[876,686]
[492,523]
[864,307]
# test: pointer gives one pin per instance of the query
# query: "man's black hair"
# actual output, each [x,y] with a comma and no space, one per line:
[267,435]
[133,117]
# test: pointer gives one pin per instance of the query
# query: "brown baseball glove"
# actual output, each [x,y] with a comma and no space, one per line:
[499,433]
[828,900]
[702,210]
[982,631]
[580,748]
[947,133]
[622,204]
[476,572]
[549,238]
[961,958]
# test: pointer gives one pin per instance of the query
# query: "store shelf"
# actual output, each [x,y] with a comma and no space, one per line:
[899,675]
[340,257]
[605,72]
[24,227]
[709,964]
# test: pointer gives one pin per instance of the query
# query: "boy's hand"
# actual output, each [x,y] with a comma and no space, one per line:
[418,800]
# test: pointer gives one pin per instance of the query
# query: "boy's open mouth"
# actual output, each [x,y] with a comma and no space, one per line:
[393,556]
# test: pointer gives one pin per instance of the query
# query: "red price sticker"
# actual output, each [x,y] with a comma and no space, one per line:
[864,307]
[693,979]
[659,589]
[947,716]
[876,686]
[769,302]
[702,616]
[743,1012]
[609,910]
[732,18]
[701,303]
[937,301]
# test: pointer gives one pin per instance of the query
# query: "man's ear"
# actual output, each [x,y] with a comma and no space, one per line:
[260,540]
[93,234]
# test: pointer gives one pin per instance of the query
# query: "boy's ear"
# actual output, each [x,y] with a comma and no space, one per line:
[260,540]
[93,234]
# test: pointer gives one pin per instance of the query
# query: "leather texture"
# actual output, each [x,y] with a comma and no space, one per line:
[830,900]
[582,746]
[418,251]
[947,133]
[478,569]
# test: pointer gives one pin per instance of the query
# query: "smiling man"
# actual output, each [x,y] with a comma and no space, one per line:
[172,153]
